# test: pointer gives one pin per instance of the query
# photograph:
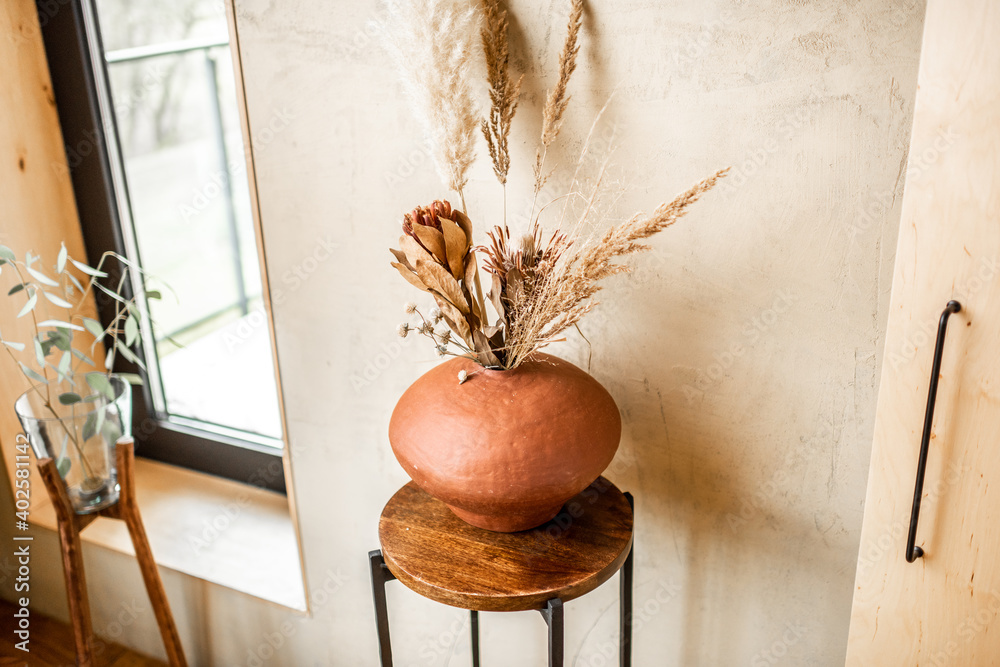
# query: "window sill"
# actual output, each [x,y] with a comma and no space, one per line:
[223,532]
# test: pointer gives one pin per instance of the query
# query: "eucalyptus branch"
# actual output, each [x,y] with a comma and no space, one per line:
[127,321]
[34,321]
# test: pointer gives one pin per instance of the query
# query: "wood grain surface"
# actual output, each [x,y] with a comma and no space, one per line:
[70,525]
[942,608]
[444,559]
[52,645]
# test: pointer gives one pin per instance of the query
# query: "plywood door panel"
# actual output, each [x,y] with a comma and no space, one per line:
[943,608]
[36,195]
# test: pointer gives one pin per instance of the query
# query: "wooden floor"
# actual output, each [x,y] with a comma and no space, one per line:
[52,645]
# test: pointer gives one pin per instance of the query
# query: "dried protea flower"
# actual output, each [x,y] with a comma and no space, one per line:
[442,233]
[436,256]
[427,216]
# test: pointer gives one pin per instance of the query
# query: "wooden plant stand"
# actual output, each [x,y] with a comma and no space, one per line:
[436,554]
[70,525]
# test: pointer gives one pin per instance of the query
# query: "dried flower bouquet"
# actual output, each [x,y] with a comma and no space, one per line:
[539,284]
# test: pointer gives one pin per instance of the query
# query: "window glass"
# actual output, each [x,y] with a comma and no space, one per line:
[174,97]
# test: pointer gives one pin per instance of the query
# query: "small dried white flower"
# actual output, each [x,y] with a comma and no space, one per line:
[403,329]
[435,315]
[446,337]
[424,328]
[410,307]
[462,376]
[441,350]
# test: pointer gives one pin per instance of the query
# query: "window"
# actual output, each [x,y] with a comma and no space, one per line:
[148,105]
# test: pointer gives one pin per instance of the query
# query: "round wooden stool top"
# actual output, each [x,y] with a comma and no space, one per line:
[443,558]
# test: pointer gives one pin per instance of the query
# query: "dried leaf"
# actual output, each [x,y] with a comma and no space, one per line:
[412,250]
[410,276]
[434,276]
[482,345]
[497,337]
[454,319]
[401,258]
[464,223]
[457,244]
[496,297]
[471,267]
[433,240]
[492,330]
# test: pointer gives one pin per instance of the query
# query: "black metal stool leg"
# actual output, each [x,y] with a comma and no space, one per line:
[625,602]
[380,575]
[553,615]
[475,637]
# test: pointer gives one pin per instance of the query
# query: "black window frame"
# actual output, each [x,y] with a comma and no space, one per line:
[76,98]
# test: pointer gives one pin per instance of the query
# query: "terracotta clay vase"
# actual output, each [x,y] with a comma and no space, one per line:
[505,449]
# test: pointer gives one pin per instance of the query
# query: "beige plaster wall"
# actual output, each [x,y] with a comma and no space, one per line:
[743,352]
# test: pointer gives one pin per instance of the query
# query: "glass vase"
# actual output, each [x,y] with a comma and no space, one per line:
[76,422]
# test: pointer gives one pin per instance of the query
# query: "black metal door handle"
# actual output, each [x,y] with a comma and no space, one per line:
[914,552]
